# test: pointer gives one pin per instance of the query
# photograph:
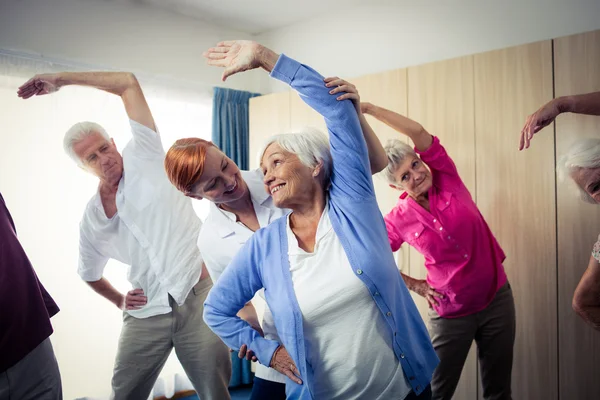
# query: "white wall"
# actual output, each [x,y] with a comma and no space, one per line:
[377,38]
[117,35]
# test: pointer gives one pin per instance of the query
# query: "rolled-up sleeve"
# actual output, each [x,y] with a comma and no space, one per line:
[91,261]
[445,173]
[145,143]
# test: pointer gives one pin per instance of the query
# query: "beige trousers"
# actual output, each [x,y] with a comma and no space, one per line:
[145,345]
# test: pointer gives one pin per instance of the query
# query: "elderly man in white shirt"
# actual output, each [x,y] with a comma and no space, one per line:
[137,217]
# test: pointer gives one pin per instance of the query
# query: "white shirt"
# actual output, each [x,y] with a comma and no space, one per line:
[154,230]
[347,343]
[221,237]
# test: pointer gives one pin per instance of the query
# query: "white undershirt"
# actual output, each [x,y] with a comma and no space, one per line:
[347,343]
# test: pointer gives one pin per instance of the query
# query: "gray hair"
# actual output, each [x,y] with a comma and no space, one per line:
[397,151]
[310,145]
[77,133]
[583,153]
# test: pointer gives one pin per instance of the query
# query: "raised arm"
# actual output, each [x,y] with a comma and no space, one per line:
[588,104]
[122,84]
[351,175]
[377,157]
[415,131]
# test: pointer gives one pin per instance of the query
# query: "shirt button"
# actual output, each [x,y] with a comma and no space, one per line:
[434,220]
[402,355]
[447,203]
[389,314]
[466,255]
[376,293]
[416,233]
[441,229]
[359,271]
[449,237]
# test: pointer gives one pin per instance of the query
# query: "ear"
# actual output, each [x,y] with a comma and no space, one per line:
[395,187]
[113,142]
[317,170]
[194,196]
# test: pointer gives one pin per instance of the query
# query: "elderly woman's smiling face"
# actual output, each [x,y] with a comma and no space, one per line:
[286,178]
[588,180]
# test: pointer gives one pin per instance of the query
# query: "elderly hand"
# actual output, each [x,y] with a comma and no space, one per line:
[340,85]
[248,354]
[538,121]
[283,363]
[39,85]
[134,300]
[422,288]
[240,55]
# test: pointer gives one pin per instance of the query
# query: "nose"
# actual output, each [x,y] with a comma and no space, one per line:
[229,182]
[268,178]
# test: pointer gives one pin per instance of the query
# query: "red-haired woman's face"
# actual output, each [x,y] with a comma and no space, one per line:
[221,181]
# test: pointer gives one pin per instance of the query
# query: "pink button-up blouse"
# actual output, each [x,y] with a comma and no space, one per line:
[462,257]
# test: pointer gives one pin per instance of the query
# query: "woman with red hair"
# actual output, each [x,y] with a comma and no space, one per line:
[240,206]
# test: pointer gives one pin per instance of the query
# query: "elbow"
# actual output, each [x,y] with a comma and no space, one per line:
[131,80]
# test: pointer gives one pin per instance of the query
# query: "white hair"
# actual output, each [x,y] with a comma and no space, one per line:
[583,153]
[397,151]
[77,133]
[310,145]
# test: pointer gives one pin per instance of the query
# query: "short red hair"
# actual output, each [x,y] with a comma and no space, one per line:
[184,162]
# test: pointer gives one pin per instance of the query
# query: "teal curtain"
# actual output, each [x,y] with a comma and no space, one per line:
[230,132]
[230,124]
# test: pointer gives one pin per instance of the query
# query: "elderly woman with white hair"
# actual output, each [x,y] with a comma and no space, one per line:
[582,164]
[347,324]
[466,287]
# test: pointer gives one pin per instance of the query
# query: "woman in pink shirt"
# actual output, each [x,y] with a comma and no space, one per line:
[466,286]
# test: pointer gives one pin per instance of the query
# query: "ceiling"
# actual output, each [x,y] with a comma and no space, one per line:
[252,16]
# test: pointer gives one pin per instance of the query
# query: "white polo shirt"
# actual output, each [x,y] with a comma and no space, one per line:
[154,230]
[221,237]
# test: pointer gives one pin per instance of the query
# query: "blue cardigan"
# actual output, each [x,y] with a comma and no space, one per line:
[357,221]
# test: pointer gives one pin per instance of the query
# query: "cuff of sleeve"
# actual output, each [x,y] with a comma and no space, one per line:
[285,69]
[432,151]
[137,127]
[90,276]
[264,349]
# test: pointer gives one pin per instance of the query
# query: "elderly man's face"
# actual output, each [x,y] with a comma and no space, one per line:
[413,177]
[100,157]
[589,180]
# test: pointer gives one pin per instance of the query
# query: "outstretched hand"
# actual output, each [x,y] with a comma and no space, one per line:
[235,56]
[538,121]
[39,85]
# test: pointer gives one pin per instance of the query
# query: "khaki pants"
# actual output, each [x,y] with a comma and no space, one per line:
[145,345]
[494,332]
[35,377]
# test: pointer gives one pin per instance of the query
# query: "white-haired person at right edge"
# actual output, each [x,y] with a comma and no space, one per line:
[581,163]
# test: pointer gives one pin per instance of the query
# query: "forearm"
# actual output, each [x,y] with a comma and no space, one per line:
[408,281]
[106,290]
[580,104]
[113,82]
[586,300]
[415,131]
[248,314]
[377,157]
